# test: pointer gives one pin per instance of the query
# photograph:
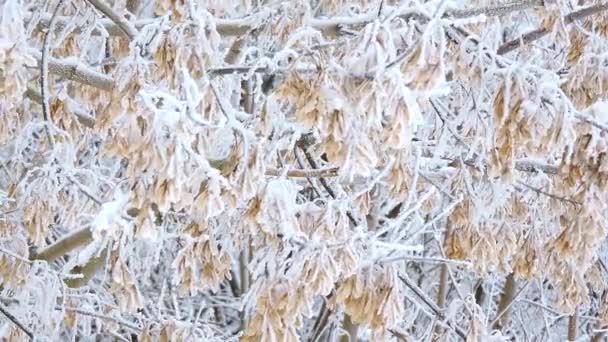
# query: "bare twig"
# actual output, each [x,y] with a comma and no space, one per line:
[436,310]
[507,299]
[15,321]
[573,325]
[542,192]
[126,27]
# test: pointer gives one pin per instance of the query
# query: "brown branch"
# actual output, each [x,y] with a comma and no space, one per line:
[63,246]
[507,299]
[87,271]
[573,325]
[351,328]
[541,32]
[125,26]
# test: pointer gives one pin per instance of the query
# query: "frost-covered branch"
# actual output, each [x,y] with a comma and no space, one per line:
[313,173]
[44,81]
[15,321]
[537,34]
[78,72]
[129,30]
[497,10]
[429,303]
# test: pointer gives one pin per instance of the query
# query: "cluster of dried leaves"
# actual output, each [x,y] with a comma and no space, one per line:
[303,170]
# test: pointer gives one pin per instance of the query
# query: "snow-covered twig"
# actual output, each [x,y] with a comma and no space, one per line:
[429,302]
[541,32]
[14,319]
[101,316]
[304,173]
[76,71]
[129,30]
[44,72]
[494,11]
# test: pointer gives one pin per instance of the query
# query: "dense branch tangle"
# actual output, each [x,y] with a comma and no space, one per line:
[300,144]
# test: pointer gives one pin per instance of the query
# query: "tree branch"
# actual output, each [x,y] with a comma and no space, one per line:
[87,271]
[304,173]
[507,299]
[125,26]
[78,72]
[44,71]
[494,11]
[15,321]
[436,310]
[573,325]
[64,245]
[541,32]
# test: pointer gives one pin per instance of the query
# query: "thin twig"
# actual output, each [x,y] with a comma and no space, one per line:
[509,300]
[100,316]
[429,302]
[304,173]
[324,183]
[44,72]
[573,325]
[592,122]
[494,11]
[14,319]
[129,30]
[542,192]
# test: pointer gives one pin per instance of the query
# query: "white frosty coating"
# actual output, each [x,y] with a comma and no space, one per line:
[110,217]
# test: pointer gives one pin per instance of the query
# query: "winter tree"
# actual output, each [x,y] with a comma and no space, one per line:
[324,170]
